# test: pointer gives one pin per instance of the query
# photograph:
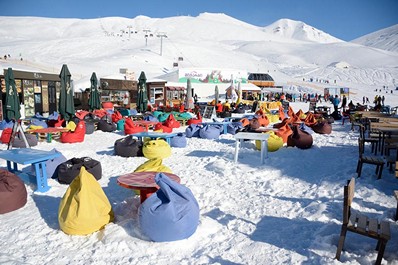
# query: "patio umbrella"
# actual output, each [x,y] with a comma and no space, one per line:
[189,100]
[66,105]
[12,108]
[142,100]
[94,100]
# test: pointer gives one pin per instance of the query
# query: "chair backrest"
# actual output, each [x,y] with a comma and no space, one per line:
[349,190]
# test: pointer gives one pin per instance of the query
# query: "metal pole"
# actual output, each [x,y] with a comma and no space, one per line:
[161,36]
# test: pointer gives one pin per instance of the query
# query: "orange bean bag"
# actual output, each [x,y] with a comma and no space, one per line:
[284,132]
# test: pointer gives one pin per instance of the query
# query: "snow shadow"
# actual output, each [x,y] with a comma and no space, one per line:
[48,208]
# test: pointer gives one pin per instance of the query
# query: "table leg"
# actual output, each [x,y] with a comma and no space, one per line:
[49,137]
[41,176]
[262,151]
[144,194]
[225,128]
[237,144]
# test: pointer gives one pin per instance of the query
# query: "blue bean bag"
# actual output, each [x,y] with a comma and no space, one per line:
[234,127]
[36,122]
[4,124]
[150,118]
[172,213]
[180,140]
[306,128]
[192,130]
[209,132]
[53,116]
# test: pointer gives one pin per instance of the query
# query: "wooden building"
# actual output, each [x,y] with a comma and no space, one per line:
[38,92]
[122,93]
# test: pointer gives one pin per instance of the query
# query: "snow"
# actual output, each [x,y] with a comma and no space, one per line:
[286,211]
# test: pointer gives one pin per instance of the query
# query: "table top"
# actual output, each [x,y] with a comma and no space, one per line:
[142,180]
[251,136]
[154,134]
[49,130]
[27,155]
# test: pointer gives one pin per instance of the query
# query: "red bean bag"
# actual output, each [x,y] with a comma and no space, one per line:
[75,137]
[130,127]
[99,113]
[6,135]
[171,122]
[160,127]
[81,114]
[116,116]
[13,193]
[195,121]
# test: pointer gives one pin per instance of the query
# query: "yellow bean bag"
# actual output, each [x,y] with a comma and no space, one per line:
[84,208]
[274,142]
[71,126]
[273,118]
[156,149]
[154,164]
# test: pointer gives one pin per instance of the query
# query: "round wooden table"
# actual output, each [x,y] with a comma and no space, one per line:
[144,182]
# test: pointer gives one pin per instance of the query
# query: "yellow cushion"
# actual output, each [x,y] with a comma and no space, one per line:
[274,142]
[84,208]
[156,149]
[34,127]
[71,126]
[154,164]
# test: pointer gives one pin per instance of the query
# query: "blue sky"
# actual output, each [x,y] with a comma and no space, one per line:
[344,19]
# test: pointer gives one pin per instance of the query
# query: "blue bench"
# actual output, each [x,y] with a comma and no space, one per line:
[27,156]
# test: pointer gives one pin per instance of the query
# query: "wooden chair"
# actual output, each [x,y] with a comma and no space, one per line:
[374,141]
[368,159]
[361,224]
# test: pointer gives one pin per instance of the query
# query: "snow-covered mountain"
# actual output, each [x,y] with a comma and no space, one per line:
[291,51]
[385,39]
[298,30]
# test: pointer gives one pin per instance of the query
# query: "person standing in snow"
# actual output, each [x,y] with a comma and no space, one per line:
[336,102]
[344,103]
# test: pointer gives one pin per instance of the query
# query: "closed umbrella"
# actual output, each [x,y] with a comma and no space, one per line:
[142,101]
[12,108]
[239,100]
[66,105]
[94,100]
[189,104]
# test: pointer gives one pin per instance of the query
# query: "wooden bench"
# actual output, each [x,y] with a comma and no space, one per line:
[358,223]
[263,137]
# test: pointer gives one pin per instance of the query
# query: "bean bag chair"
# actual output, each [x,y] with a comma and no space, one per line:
[272,118]
[284,132]
[172,213]
[84,208]
[81,114]
[163,117]
[116,116]
[154,165]
[75,137]
[4,124]
[156,149]
[180,140]
[120,125]
[322,128]
[281,112]
[90,127]
[330,119]
[274,142]
[71,126]
[263,120]
[13,193]
[192,131]
[301,114]
[310,119]
[232,128]
[195,121]
[36,122]
[245,122]
[128,147]
[125,112]
[150,118]
[105,126]
[100,113]
[337,116]
[20,143]
[159,127]
[69,170]
[6,135]
[281,124]
[254,124]
[171,122]
[53,116]
[299,138]
[225,114]
[56,123]
[130,127]
[209,132]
